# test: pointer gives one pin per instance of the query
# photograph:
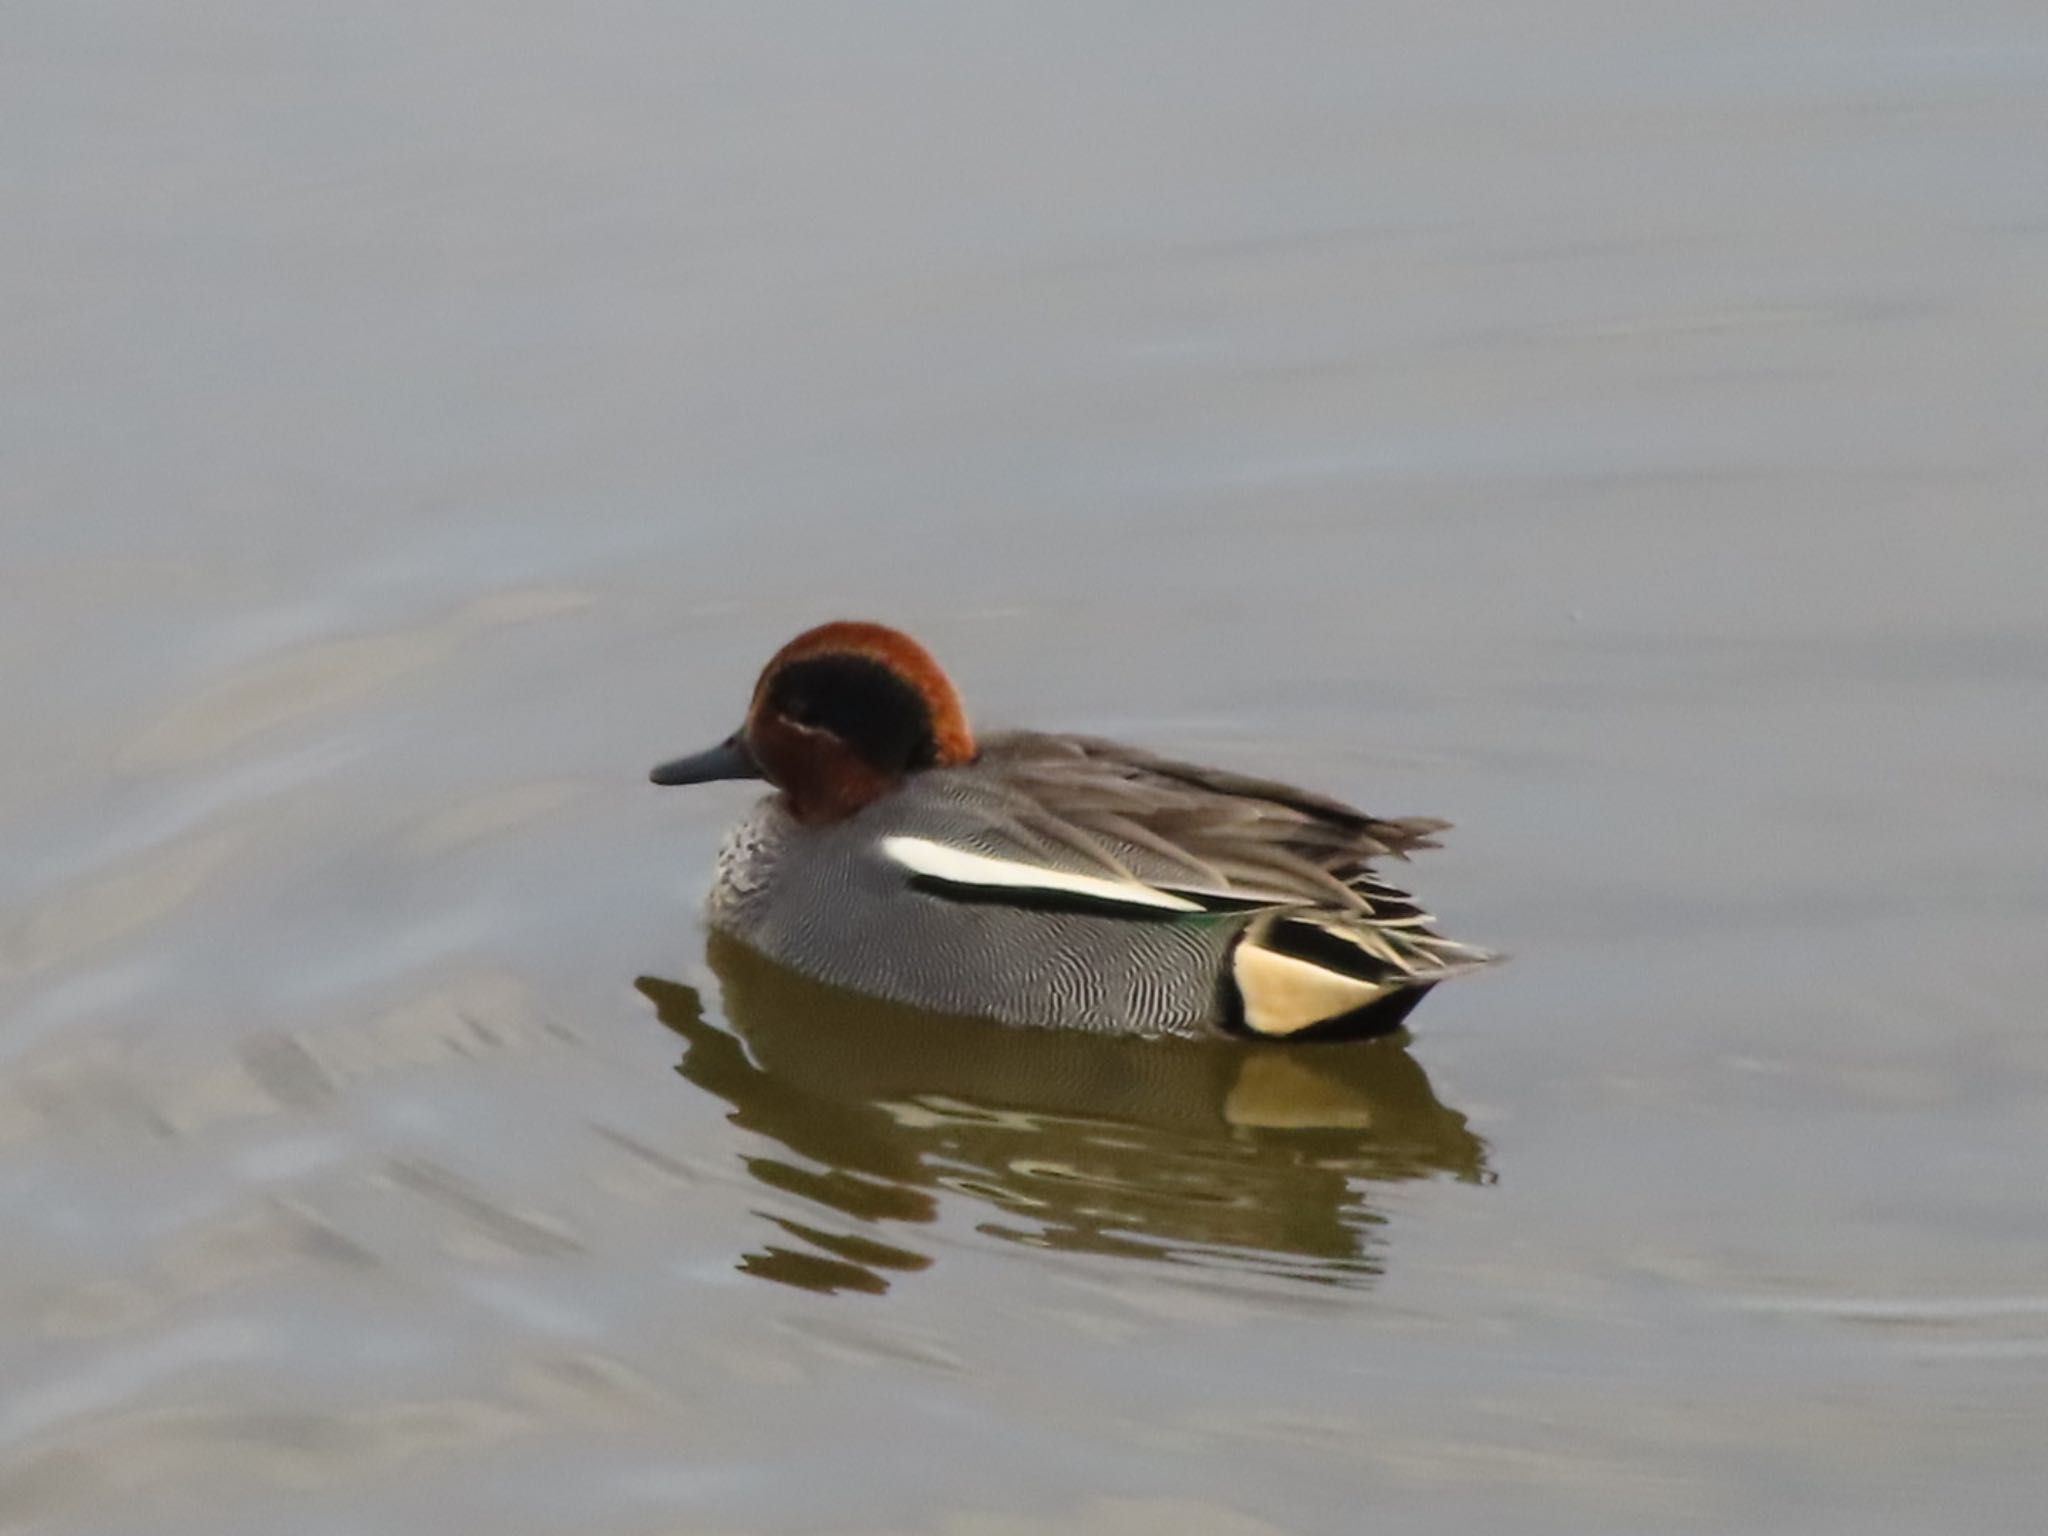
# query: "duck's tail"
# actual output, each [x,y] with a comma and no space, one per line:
[1297,973]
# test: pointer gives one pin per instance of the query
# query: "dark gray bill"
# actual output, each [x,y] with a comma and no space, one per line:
[730,759]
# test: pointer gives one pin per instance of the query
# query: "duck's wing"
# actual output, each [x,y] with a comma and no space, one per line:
[1067,823]
[1168,836]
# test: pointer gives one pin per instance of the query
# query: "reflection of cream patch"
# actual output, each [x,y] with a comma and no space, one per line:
[958,866]
[1274,1091]
[1283,995]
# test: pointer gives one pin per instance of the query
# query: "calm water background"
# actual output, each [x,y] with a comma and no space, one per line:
[1618,428]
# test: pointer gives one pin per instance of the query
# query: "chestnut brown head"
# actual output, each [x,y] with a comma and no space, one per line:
[840,717]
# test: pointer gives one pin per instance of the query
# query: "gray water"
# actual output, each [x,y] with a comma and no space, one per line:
[1617,428]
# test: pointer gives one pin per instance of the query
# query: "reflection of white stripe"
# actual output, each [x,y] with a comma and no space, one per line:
[957,866]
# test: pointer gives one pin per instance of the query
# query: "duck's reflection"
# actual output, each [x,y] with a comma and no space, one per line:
[1257,1157]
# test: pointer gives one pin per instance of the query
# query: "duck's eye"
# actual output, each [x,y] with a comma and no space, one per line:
[799,709]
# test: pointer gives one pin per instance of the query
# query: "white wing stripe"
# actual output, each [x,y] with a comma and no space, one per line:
[960,866]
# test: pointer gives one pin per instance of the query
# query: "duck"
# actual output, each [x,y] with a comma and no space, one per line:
[1045,879]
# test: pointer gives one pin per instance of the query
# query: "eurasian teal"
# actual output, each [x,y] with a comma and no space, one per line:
[1050,879]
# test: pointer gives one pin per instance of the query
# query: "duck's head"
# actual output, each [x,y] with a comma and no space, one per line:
[841,716]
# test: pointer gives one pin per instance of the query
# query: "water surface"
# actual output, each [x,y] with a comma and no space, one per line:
[1615,428]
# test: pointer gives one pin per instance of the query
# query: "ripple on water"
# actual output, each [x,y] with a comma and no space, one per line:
[324,678]
[2011,1327]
